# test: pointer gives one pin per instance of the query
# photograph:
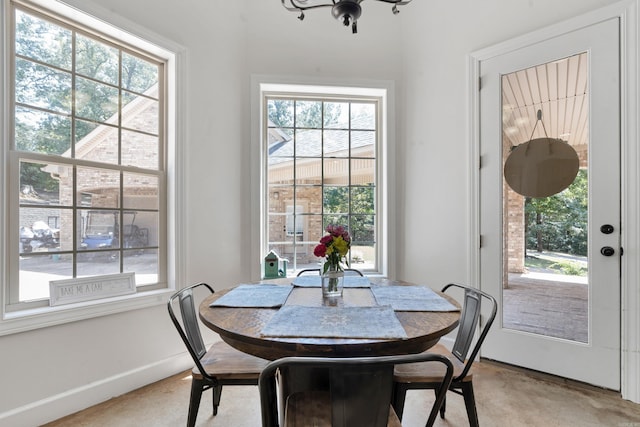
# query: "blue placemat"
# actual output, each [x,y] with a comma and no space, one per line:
[311,281]
[257,296]
[411,298]
[298,321]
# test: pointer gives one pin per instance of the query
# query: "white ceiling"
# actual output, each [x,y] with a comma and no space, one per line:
[560,90]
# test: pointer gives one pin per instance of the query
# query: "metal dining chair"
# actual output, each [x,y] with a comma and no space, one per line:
[359,392]
[423,376]
[347,271]
[220,365]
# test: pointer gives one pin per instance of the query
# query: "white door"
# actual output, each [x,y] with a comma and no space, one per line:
[559,298]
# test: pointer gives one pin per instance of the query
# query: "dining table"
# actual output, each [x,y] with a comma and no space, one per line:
[285,317]
[375,316]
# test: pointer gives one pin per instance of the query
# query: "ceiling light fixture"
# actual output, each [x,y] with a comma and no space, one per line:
[347,11]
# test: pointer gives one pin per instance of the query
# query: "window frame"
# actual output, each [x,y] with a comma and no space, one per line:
[265,86]
[28,316]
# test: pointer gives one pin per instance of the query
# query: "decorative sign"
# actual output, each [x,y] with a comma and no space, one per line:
[91,288]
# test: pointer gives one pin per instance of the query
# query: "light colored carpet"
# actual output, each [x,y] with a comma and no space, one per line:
[505,396]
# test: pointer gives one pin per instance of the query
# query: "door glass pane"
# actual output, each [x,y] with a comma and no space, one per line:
[545,281]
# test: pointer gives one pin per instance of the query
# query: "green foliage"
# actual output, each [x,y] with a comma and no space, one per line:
[559,223]
[308,114]
[569,267]
[361,222]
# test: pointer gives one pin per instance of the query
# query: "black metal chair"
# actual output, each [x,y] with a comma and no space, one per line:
[347,271]
[358,393]
[220,365]
[423,376]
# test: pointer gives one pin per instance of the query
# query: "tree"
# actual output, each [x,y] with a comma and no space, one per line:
[46,109]
[559,222]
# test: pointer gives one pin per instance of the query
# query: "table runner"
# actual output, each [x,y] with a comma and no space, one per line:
[296,321]
[312,281]
[411,298]
[254,296]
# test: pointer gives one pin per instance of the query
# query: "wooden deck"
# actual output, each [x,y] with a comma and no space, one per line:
[542,306]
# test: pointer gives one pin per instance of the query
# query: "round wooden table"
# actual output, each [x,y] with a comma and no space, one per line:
[241,327]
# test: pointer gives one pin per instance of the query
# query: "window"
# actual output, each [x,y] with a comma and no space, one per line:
[87,155]
[323,160]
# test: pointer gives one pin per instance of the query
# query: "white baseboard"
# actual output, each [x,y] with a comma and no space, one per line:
[71,401]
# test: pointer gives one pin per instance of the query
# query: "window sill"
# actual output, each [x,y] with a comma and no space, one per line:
[36,318]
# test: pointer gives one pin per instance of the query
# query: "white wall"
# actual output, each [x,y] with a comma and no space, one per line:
[64,368]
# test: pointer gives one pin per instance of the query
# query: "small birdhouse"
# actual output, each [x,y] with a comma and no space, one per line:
[274,266]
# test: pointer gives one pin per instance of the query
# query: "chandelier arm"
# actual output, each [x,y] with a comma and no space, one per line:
[294,8]
[396,2]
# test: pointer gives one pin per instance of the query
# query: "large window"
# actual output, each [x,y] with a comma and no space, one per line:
[322,156]
[86,156]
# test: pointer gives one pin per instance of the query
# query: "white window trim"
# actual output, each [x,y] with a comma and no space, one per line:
[90,14]
[386,179]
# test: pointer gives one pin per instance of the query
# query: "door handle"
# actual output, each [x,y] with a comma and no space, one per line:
[607,251]
[606,229]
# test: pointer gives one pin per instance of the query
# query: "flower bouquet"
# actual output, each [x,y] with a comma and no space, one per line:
[334,247]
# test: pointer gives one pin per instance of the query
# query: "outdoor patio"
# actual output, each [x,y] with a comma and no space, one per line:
[547,304]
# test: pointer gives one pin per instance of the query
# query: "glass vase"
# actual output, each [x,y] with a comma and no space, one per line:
[332,282]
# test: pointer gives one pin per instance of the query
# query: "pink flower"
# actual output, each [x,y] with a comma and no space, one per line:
[326,239]
[320,250]
[336,230]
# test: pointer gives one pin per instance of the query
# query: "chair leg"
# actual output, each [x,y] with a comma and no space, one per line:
[399,395]
[194,402]
[217,392]
[443,407]
[470,403]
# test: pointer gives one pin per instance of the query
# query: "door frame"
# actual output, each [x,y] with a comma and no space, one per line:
[628,13]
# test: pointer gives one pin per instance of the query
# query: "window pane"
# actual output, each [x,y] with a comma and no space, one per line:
[37,269]
[363,116]
[140,191]
[363,143]
[336,199]
[139,149]
[278,197]
[144,264]
[308,143]
[99,230]
[37,185]
[336,115]
[362,171]
[336,143]
[100,145]
[98,187]
[336,172]
[308,170]
[280,171]
[40,132]
[139,230]
[96,101]
[363,229]
[40,230]
[140,113]
[362,200]
[280,113]
[138,75]
[41,86]
[309,198]
[309,114]
[98,263]
[96,60]
[42,40]
[277,225]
